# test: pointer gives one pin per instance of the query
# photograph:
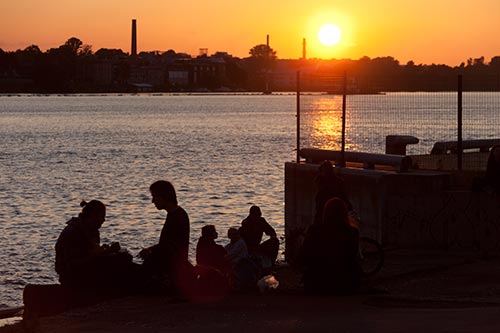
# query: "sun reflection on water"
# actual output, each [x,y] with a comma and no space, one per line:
[326,123]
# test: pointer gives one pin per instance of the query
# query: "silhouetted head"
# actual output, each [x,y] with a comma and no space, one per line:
[209,231]
[255,211]
[326,168]
[233,233]
[495,153]
[335,212]
[93,213]
[163,193]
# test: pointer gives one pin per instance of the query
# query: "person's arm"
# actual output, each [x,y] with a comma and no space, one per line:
[268,230]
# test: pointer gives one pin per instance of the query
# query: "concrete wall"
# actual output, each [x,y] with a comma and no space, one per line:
[410,209]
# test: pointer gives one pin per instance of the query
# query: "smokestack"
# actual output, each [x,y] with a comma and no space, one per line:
[304,48]
[267,40]
[134,38]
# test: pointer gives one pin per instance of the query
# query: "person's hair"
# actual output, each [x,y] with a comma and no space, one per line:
[208,230]
[326,167]
[91,207]
[335,212]
[233,232]
[164,189]
[255,210]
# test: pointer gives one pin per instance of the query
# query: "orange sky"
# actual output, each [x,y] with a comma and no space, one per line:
[428,31]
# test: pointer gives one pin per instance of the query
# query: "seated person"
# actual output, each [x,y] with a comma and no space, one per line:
[252,230]
[209,253]
[82,263]
[168,261]
[330,253]
[212,270]
[237,248]
[245,271]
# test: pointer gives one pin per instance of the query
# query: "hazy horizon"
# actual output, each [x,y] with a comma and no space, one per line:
[442,32]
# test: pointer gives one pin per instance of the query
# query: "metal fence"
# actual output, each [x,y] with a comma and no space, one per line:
[446,123]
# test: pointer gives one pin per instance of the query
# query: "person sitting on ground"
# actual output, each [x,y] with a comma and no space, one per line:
[169,258]
[328,186]
[237,248]
[245,270]
[212,269]
[252,229]
[209,253]
[82,262]
[330,252]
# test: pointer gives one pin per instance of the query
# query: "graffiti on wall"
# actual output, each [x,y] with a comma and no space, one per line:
[449,220]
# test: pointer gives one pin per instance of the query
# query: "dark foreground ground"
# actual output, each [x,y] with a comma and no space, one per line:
[417,291]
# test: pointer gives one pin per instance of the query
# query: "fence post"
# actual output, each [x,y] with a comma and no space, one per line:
[298,116]
[344,93]
[459,124]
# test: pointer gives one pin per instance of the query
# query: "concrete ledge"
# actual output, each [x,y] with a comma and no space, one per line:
[400,163]
[445,147]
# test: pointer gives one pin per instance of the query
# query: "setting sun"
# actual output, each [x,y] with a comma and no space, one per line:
[329,35]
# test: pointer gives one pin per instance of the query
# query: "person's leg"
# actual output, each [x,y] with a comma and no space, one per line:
[270,249]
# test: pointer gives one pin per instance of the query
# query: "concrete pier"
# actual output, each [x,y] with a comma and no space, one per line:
[413,209]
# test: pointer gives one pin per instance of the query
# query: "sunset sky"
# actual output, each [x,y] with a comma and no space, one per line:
[425,31]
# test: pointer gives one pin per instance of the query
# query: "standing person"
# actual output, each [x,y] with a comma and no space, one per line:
[490,183]
[328,186]
[170,256]
[252,229]
[330,252]
[83,263]
[493,169]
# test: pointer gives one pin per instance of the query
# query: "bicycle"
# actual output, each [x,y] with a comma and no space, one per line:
[370,256]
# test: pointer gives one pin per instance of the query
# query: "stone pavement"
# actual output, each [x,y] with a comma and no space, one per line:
[437,278]
[415,291]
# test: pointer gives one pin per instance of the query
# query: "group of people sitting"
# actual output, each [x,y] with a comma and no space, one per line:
[328,257]
[83,264]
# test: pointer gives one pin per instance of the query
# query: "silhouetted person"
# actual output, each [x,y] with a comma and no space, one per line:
[82,263]
[209,253]
[170,256]
[491,181]
[330,252]
[493,169]
[252,230]
[245,271]
[328,186]
[237,248]
[212,269]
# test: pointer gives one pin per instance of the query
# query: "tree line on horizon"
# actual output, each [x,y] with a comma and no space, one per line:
[74,67]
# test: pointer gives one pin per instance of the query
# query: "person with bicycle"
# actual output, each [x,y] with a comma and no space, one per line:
[328,186]
[330,252]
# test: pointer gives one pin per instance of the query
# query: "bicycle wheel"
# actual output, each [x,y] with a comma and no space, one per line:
[370,256]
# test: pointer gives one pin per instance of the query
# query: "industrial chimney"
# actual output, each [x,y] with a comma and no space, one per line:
[134,38]
[304,48]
